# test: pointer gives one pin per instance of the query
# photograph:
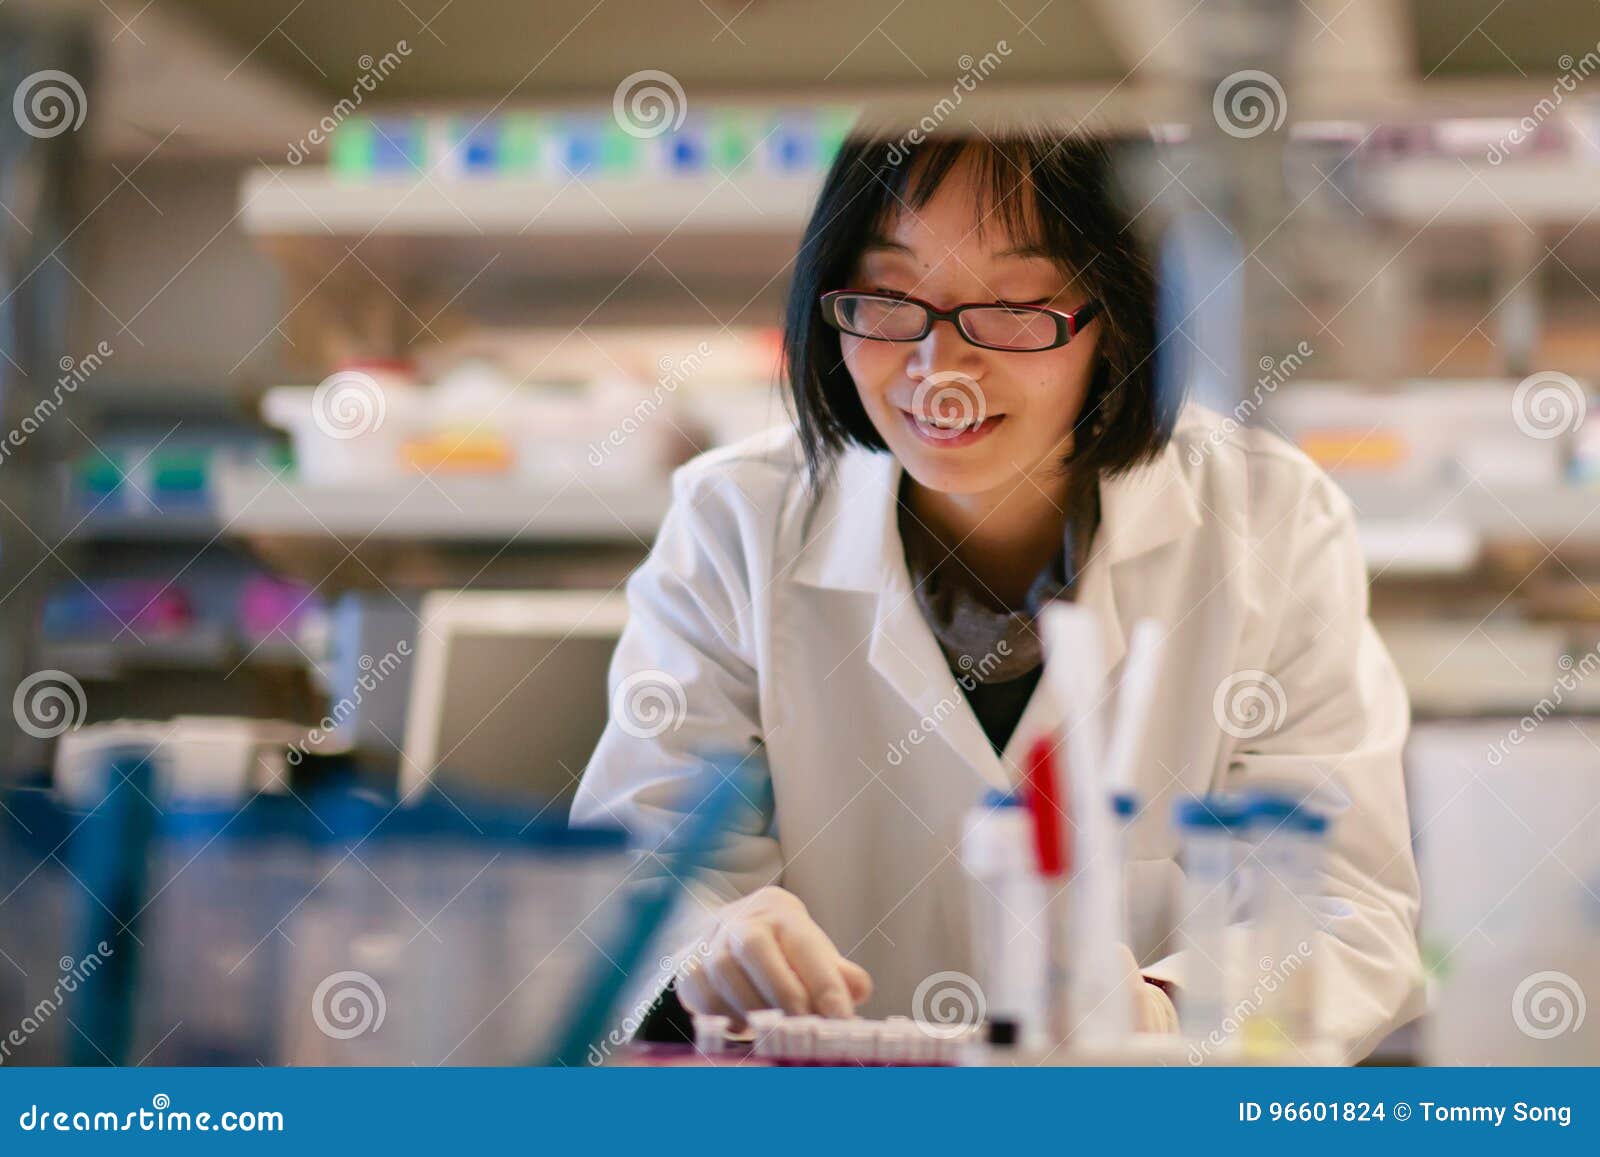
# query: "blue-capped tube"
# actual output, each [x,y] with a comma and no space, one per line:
[1209,830]
[1287,839]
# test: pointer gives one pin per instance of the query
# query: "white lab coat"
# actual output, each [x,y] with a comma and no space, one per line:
[789,618]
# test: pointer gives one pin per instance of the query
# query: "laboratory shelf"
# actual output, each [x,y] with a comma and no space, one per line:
[1554,192]
[291,202]
[464,509]
[187,527]
[204,647]
[210,647]
[312,202]
[1409,549]
[1409,529]
[1558,514]
[499,233]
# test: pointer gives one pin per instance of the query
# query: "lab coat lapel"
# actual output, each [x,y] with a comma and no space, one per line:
[1141,510]
[905,652]
[854,544]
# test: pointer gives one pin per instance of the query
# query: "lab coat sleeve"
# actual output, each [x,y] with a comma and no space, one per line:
[683,682]
[1342,718]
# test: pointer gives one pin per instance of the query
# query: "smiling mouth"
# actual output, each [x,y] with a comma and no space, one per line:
[953,431]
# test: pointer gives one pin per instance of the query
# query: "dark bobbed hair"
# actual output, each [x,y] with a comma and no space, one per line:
[1051,189]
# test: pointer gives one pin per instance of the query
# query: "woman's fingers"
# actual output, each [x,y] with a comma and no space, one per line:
[698,994]
[769,953]
[817,963]
[757,950]
[856,979]
[734,987]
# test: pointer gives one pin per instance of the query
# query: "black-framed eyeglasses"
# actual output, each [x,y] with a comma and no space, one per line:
[990,325]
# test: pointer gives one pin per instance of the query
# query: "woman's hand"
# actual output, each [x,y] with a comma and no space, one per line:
[1153,1010]
[769,953]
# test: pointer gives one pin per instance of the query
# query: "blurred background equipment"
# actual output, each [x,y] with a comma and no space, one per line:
[1511,867]
[149,929]
[353,310]
[509,694]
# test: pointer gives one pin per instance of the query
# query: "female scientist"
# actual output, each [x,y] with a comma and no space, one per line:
[969,349]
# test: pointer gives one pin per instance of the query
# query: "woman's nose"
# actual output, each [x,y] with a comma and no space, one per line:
[943,349]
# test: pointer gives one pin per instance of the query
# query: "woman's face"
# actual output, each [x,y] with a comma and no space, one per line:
[961,419]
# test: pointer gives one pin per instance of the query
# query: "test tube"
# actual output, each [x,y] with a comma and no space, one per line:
[711,1034]
[862,1041]
[766,1025]
[1010,924]
[1098,1015]
[1287,840]
[829,1042]
[1124,811]
[1208,828]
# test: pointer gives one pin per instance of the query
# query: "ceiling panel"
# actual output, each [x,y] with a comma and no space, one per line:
[1509,39]
[484,50]
[480,52]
